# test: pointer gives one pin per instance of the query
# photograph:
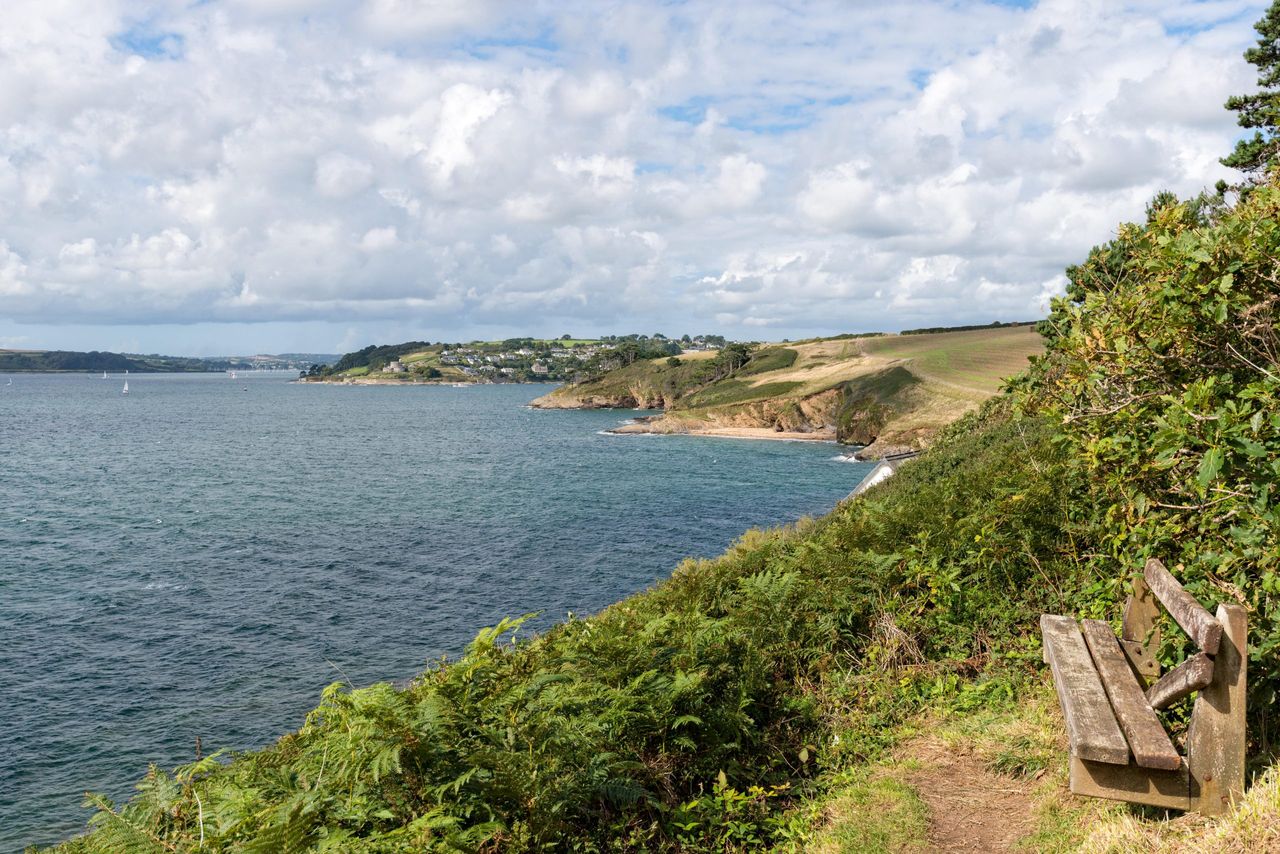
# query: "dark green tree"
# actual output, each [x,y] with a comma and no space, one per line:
[1257,155]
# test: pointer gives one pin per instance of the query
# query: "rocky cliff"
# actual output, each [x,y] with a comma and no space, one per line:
[853,392]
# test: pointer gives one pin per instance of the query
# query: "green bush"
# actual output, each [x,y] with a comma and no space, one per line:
[1162,370]
[688,718]
[732,391]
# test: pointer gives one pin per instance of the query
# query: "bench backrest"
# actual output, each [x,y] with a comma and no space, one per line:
[1140,635]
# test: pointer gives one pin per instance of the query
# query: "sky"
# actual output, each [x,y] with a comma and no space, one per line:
[241,176]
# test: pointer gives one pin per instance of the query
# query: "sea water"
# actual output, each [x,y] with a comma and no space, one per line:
[200,557]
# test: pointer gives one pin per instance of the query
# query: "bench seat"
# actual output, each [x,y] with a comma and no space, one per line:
[1091,725]
[1108,716]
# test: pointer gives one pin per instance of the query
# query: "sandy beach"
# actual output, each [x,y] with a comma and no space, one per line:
[660,428]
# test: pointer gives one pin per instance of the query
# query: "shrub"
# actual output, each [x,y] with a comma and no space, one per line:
[1162,370]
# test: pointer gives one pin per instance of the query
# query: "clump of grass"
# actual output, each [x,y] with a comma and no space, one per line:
[874,811]
[1253,826]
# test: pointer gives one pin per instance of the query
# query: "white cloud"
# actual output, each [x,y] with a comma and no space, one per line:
[436,167]
[377,239]
[463,108]
[740,180]
[339,176]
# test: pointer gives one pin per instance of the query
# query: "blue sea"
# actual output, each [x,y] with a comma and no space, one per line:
[199,558]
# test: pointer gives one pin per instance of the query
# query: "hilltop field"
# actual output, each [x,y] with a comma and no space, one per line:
[890,392]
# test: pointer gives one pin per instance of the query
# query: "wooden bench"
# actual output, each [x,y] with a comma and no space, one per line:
[1110,689]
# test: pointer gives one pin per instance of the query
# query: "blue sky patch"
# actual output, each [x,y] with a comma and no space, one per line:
[150,43]
[646,167]
[692,111]
[542,42]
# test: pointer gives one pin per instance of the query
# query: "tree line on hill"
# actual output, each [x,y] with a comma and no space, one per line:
[933,330]
[92,361]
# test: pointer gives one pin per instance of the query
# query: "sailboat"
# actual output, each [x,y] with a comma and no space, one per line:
[104,375]
[126,387]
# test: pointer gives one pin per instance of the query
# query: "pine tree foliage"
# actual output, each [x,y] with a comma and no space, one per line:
[1259,154]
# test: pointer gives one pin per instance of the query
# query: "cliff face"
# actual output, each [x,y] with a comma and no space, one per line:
[633,397]
[884,423]
[815,414]
[888,394]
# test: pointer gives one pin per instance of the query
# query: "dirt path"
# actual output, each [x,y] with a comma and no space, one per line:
[970,808]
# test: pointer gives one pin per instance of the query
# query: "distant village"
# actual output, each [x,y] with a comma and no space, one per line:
[513,360]
[553,361]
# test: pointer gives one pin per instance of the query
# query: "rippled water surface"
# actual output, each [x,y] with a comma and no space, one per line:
[202,556]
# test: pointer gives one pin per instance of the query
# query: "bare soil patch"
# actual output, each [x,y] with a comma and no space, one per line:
[971,808]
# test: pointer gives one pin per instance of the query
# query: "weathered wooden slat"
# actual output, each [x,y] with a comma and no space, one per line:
[1091,725]
[1147,739]
[1140,632]
[1141,615]
[1200,626]
[1166,789]
[1144,664]
[1216,741]
[1191,675]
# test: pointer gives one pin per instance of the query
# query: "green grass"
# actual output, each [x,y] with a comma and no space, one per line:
[881,385]
[651,378]
[873,811]
[731,391]
[768,359]
[978,360]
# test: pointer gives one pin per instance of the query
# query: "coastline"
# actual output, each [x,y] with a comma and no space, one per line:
[389,382]
[662,425]
[766,433]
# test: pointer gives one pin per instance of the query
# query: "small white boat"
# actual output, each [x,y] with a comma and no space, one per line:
[104,375]
[126,387]
[233,375]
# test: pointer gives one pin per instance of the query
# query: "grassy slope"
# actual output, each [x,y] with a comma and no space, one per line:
[975,361]
[949,374]
[423,358]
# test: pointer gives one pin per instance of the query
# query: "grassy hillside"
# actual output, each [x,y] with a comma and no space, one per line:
[899,390]
[975,361]
[44,361]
